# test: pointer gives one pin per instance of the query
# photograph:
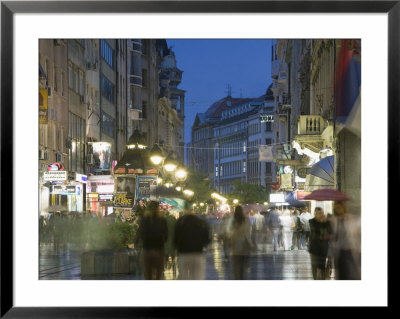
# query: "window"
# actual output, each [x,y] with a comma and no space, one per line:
[268,126]
[244,147]
[216,171]
[70,76]
[76,80]
[107,124]
[244,166]
[55,77]
[81,84]
[107,89]
[107,53]
[62,84]
[144,77]
[144,109]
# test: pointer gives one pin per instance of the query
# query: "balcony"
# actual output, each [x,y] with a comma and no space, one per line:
[314,132]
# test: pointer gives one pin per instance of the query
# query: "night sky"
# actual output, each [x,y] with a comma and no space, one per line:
[209,65]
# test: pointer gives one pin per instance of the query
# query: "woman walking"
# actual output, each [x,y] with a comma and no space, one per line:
[241,243]
[320,234]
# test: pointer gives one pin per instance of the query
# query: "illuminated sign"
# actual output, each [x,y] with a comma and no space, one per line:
[66,190]
[143,186]
[55,167]
[267,118]
[277,198]
[105,197]
[55,176]
[43,107]
[80,178]
[105,188]
[93,195]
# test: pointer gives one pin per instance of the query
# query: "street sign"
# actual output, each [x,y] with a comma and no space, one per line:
[55,176]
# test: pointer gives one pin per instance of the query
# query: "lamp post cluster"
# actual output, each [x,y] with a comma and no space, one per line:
[171,174]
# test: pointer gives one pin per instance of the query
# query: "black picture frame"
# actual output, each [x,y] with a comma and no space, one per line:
[9,8]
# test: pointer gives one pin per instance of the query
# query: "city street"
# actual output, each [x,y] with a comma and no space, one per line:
[264,265]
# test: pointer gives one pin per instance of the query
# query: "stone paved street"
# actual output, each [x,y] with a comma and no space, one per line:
[265,264]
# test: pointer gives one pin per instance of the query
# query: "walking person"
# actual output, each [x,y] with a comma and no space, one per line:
[286,224]
[192,235]
[274,225]
[296,230]
[153,233]
[258,229]
[241,243]
[169,248]
[346,243]
[320,235]
[305,228]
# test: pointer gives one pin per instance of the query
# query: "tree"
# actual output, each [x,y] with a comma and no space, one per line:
[198,182]
[249,193]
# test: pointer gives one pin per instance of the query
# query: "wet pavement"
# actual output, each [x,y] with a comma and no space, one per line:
[265,264]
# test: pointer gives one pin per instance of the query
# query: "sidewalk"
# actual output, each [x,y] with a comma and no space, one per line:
[265,264]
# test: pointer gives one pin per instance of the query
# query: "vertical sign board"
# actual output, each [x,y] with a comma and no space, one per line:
[144,184]
[43,106]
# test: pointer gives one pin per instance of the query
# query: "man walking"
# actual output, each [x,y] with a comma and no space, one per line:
[274,225]
[305,225]
[192,234]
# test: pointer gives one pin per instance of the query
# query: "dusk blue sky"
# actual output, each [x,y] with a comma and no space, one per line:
[209,65]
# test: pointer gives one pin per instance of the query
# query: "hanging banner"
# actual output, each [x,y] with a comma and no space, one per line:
[286,181]
[265,153]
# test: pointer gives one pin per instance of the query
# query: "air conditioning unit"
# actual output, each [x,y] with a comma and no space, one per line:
[48,91]
[43,155]
[89,159]
[82,98]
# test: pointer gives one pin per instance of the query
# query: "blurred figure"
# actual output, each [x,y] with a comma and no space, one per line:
[305,228]
[346,243]
[169,248]
[192,234]
[274,225]
[225,235]
[296,230]
[258,229]
[286,223]
[153,233]
[241,243]
[320,235]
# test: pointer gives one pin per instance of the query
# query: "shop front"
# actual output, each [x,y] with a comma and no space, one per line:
[100,189]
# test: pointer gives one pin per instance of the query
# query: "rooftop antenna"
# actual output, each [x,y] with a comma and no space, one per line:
[229,89]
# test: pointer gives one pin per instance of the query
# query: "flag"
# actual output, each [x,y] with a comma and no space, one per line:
[348,85]
[265,153]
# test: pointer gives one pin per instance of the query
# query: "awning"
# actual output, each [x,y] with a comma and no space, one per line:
[321,175]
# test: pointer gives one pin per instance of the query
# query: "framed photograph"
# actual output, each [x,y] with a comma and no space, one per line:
[24,23]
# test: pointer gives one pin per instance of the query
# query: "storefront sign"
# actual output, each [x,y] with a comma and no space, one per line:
[80,178]
[300,186]
[93,195]
[143,186]
[105,197]
[66,190]
[55,167]
[55,176]
[122,200]
[277,198]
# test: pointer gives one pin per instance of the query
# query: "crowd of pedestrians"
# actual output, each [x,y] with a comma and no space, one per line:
[163,241]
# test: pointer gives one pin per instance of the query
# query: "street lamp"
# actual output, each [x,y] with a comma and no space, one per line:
[235,201]
[156,155]
[180,174]
[170,164]
[136,141]
[188,192]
